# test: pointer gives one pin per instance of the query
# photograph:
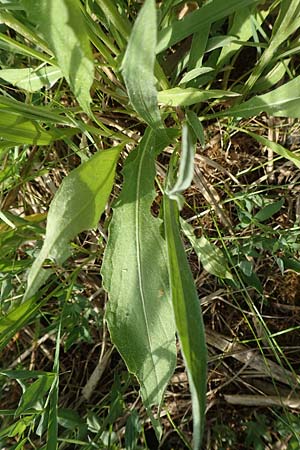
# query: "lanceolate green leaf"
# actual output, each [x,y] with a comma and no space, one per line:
[138,65]
[35,392]
[188,96]
[32,79]
[195,21]
[188,317]
[283,102]
[77,206]
[211,257]
[62,25]
[139,312]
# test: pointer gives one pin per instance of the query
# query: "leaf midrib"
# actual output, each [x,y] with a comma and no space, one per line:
[138,250]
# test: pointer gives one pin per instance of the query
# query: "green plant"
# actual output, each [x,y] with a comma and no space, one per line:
[163,74]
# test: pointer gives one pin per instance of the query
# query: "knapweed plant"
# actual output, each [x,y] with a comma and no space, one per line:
[87,73]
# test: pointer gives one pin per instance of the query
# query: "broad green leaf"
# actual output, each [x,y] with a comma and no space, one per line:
[138,65]
[14,128]
[77,206]
[186,166]
[211,257]
[281,102]
[209,13]
[277,148]
[62,25]
[139,312]
[32,80]
[188,96]
[269,210]
[188,318]
[35,392]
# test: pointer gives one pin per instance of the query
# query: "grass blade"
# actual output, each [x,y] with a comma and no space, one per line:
[277,148]
[138,65]
[288,21]
[77,206]
[188,318]
[195,21]
[17,129]
[139,312]
[15,319]
[281,102]
[62,25]
[53,399]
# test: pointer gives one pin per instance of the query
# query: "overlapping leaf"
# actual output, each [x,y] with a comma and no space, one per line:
[188,318]
[30,79]
[211,257]
[188,96]
[186,166]
[139,311]
[77,206]
[62,25]
[195,21]
[138,66]
[281,102]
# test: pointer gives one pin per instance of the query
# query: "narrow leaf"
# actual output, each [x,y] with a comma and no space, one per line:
[188,318]
[15,320]
[138,65]
[62,25]
[209,13]
[139,312]
[277,148]
[194,73]
[15,128]
[52,432]
[269,210]
[188,96]
[211,257]
[77,206]
[186,165]
[35,392]
[281,102]
[287,22]
[196,125]
[32,80]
